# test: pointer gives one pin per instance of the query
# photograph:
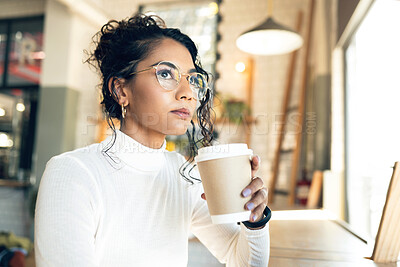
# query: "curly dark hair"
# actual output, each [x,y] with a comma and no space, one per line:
[119,47]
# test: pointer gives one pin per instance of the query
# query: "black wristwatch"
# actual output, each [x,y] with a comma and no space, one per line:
[267,213]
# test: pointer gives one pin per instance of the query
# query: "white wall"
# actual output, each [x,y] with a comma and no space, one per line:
[56,45]
[85,79]
[67,34]
[21,8]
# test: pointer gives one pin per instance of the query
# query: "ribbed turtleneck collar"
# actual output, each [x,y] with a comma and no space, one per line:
[137,155]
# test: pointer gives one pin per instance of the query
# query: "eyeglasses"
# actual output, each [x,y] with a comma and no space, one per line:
[169,76]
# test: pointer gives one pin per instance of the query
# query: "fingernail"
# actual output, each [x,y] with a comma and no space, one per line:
[254,218]
[259,159]
[250,206]
[246,192]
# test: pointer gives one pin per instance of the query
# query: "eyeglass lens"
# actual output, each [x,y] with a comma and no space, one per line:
[168,75]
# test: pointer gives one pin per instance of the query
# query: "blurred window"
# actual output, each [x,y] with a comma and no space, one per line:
[17,128]
[197,19]
[25,52]
[21,54]
[372,96]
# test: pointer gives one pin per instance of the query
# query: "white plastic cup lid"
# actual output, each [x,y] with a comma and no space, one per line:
[222,151]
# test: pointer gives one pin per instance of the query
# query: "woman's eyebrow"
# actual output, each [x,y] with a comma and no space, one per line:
[171,65]
[155,64]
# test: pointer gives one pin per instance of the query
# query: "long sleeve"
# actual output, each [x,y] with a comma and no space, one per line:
[230,243]
[128,208]
[65,215]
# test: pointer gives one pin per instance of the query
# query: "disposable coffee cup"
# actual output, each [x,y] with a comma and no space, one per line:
[225,170]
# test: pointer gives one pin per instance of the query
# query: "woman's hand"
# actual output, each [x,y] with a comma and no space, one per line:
[257,191]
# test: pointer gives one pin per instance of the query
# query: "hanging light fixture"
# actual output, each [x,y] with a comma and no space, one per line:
[269,38]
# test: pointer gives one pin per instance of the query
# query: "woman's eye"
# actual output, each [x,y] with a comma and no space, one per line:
[165,74]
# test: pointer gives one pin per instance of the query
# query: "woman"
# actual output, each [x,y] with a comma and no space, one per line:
[127,201]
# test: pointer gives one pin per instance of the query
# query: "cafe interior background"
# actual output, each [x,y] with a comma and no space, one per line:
[341,88]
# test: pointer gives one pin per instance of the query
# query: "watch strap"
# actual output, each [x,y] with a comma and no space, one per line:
[267,212]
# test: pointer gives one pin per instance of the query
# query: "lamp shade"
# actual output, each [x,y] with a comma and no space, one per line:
[269,38]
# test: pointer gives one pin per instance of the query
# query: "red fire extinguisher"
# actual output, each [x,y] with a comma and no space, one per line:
[302,188]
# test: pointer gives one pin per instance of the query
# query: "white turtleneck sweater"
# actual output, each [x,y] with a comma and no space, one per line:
[133,209]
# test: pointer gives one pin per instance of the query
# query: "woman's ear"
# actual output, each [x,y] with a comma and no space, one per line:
[120,95]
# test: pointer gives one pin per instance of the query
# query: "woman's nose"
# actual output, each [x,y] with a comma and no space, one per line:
[184,89]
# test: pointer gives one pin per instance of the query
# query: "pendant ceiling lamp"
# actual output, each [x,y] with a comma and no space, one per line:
[269,38]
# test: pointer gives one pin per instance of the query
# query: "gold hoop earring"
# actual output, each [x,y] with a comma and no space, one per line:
[123,111]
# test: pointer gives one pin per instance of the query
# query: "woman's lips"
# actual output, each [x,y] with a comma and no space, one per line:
[182,113]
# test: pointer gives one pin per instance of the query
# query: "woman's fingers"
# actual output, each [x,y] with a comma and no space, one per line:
[257,204]
[255,164]
[259,198]
[253,187]
[257,213]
